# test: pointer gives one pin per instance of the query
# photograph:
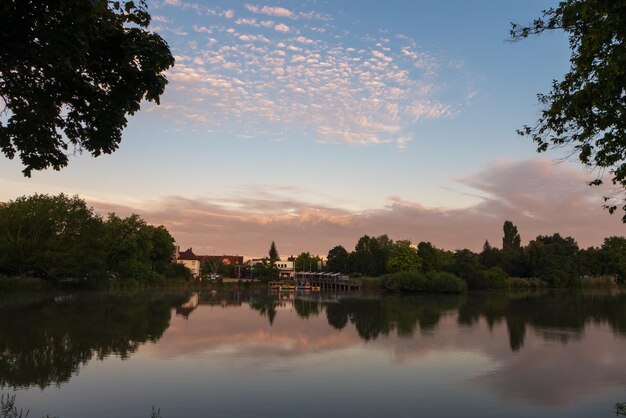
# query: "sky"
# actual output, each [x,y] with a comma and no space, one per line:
[312,123]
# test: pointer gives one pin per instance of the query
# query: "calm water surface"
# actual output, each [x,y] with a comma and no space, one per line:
[253,354]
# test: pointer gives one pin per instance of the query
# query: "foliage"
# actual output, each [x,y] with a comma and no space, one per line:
[56,236]
[59,237]
[613,253]
[493,278]
[136,250]
[433,258]
[273,254]
[178,271]
[546,261]
[70,73]
[370,255]
[512,254]
[415,281]
[489,256]
[215,265]
[265,271]
[553,259]
[525,283]
[338,259]
[307,262]
[511,241]
[370,283]
[598,282]
[403,257]
[466,265]
[585,111]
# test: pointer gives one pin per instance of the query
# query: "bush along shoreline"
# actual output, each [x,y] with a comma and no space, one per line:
[416,281]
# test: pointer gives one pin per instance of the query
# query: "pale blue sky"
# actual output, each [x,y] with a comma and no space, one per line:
[277,108]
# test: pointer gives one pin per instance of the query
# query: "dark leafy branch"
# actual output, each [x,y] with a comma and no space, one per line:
[70,73]
[586,111]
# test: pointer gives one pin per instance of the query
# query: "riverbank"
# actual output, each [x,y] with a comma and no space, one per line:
[401,283]
[34,284]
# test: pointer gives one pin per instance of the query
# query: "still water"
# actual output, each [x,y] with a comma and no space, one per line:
[253,354]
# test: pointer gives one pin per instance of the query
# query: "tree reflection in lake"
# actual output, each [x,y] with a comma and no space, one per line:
[219,344]
[44,340]
[561,315]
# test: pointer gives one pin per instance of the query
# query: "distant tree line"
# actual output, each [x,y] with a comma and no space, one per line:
[60,237]
[550,260]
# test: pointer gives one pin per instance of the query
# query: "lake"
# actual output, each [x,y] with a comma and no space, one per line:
[247,353]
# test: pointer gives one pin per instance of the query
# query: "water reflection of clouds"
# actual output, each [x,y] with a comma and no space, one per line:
[249,335]
[552,373]
[552,368]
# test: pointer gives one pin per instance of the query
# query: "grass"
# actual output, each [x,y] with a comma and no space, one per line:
[525,283]
[598,282]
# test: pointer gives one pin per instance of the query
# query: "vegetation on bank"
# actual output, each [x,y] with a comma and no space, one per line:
[57,241]
[62,240]
[416,281]
[547,261]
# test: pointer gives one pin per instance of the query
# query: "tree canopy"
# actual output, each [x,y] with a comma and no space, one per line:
[60,237]
[273,254]
[403,257]
[586,111]
[70,73]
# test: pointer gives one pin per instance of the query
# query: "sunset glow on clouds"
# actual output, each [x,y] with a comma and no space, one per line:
[537,196]
[313,123]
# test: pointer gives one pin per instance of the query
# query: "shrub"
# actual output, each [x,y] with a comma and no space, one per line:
[494,278]
[443,282]
[525,283]
[177,271]
[370,283]
[412,281]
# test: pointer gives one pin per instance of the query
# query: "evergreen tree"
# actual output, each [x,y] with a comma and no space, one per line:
[273,254]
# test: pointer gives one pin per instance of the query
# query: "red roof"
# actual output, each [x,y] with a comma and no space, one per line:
[224,259]
[187,255]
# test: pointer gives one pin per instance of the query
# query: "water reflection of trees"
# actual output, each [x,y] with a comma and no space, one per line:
[381,316]
[558,316]
[44,340]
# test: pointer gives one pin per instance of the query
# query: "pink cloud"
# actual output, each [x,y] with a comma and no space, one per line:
[538,196]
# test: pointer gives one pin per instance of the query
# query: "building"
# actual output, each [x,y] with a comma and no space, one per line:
[190,260]
[227,260]
[193,261]
[285,268]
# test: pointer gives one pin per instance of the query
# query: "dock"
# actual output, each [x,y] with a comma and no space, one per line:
[328,281]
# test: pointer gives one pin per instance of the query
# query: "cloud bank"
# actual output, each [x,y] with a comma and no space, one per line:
[538,196]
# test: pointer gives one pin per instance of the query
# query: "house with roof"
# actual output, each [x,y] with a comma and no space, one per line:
[193,262]
[188,259]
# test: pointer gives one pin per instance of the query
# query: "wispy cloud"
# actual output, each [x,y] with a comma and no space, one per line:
[539,197]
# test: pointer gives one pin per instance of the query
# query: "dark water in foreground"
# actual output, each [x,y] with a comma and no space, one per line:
[250,354]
